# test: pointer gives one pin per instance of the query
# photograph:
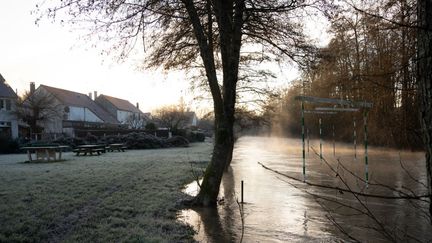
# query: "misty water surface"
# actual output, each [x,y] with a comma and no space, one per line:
[279,209]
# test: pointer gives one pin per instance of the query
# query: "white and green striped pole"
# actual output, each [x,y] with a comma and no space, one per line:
[355,141]
[334,146]
[307,130]
[366,147]
[303,141]
[320,133]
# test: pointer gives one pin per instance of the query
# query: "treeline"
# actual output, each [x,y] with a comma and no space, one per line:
[369,58]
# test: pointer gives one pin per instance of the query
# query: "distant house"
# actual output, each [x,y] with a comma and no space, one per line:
[125,112]
[76,111]
[8,120]
[192,119]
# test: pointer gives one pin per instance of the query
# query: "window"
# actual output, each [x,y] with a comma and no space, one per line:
[8,105]
[5,104]
[5,124]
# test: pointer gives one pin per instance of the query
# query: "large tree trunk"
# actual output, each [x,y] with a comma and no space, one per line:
[221,155]
[229,16]
[424,78]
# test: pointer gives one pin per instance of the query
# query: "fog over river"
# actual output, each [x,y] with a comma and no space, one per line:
[281,209]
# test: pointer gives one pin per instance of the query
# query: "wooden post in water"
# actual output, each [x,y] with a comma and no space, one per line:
[320,133]
[242,192]
[366,147]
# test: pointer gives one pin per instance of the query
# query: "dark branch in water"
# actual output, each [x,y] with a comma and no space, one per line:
[412,196]
[406,197]
[330,216]
[240,205]
[363,208]
[409,174]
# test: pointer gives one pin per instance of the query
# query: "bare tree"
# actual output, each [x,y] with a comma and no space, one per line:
[136,121]
[248,121]
[171,116]
[209,34]
[424,79]
[396,75]
[36,108]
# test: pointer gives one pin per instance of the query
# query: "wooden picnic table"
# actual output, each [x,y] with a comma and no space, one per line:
[45,153]
[117,146]
[90,149]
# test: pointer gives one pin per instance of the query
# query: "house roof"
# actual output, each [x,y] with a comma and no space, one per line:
[120,103]
[5,90]
[71,98]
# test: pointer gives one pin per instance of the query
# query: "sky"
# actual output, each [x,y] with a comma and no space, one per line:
[53,55]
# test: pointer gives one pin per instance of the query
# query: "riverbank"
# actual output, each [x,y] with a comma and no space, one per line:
[130,196]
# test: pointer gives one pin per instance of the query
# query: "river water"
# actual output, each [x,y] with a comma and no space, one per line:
[281,209]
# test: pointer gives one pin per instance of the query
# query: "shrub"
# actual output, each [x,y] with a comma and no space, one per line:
[8,145]
[150,126]
[177,141]
[179,132]
[197,136]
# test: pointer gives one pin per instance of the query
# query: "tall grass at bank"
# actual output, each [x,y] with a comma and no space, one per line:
[113,197]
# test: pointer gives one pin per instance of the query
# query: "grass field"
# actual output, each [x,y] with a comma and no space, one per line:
[130,196]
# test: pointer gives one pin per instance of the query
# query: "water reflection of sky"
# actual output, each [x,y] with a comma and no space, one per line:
[277,211]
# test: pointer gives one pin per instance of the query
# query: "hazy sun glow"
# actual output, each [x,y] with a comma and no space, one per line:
[50,54]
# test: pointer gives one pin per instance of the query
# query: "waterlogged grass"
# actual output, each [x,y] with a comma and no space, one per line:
[127,197]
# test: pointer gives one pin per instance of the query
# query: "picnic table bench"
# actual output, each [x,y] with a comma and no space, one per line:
[90,149]
[120,147]
[45,152]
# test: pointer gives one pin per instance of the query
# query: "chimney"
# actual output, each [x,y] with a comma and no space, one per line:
[95,94]
[137,105]
[90,95]
[32,87]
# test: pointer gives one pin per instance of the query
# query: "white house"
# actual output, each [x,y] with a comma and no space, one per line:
[75,110]
[8,120]
[123,111]
[192,119]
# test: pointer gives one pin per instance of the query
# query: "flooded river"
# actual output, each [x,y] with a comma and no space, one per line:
[282,209]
